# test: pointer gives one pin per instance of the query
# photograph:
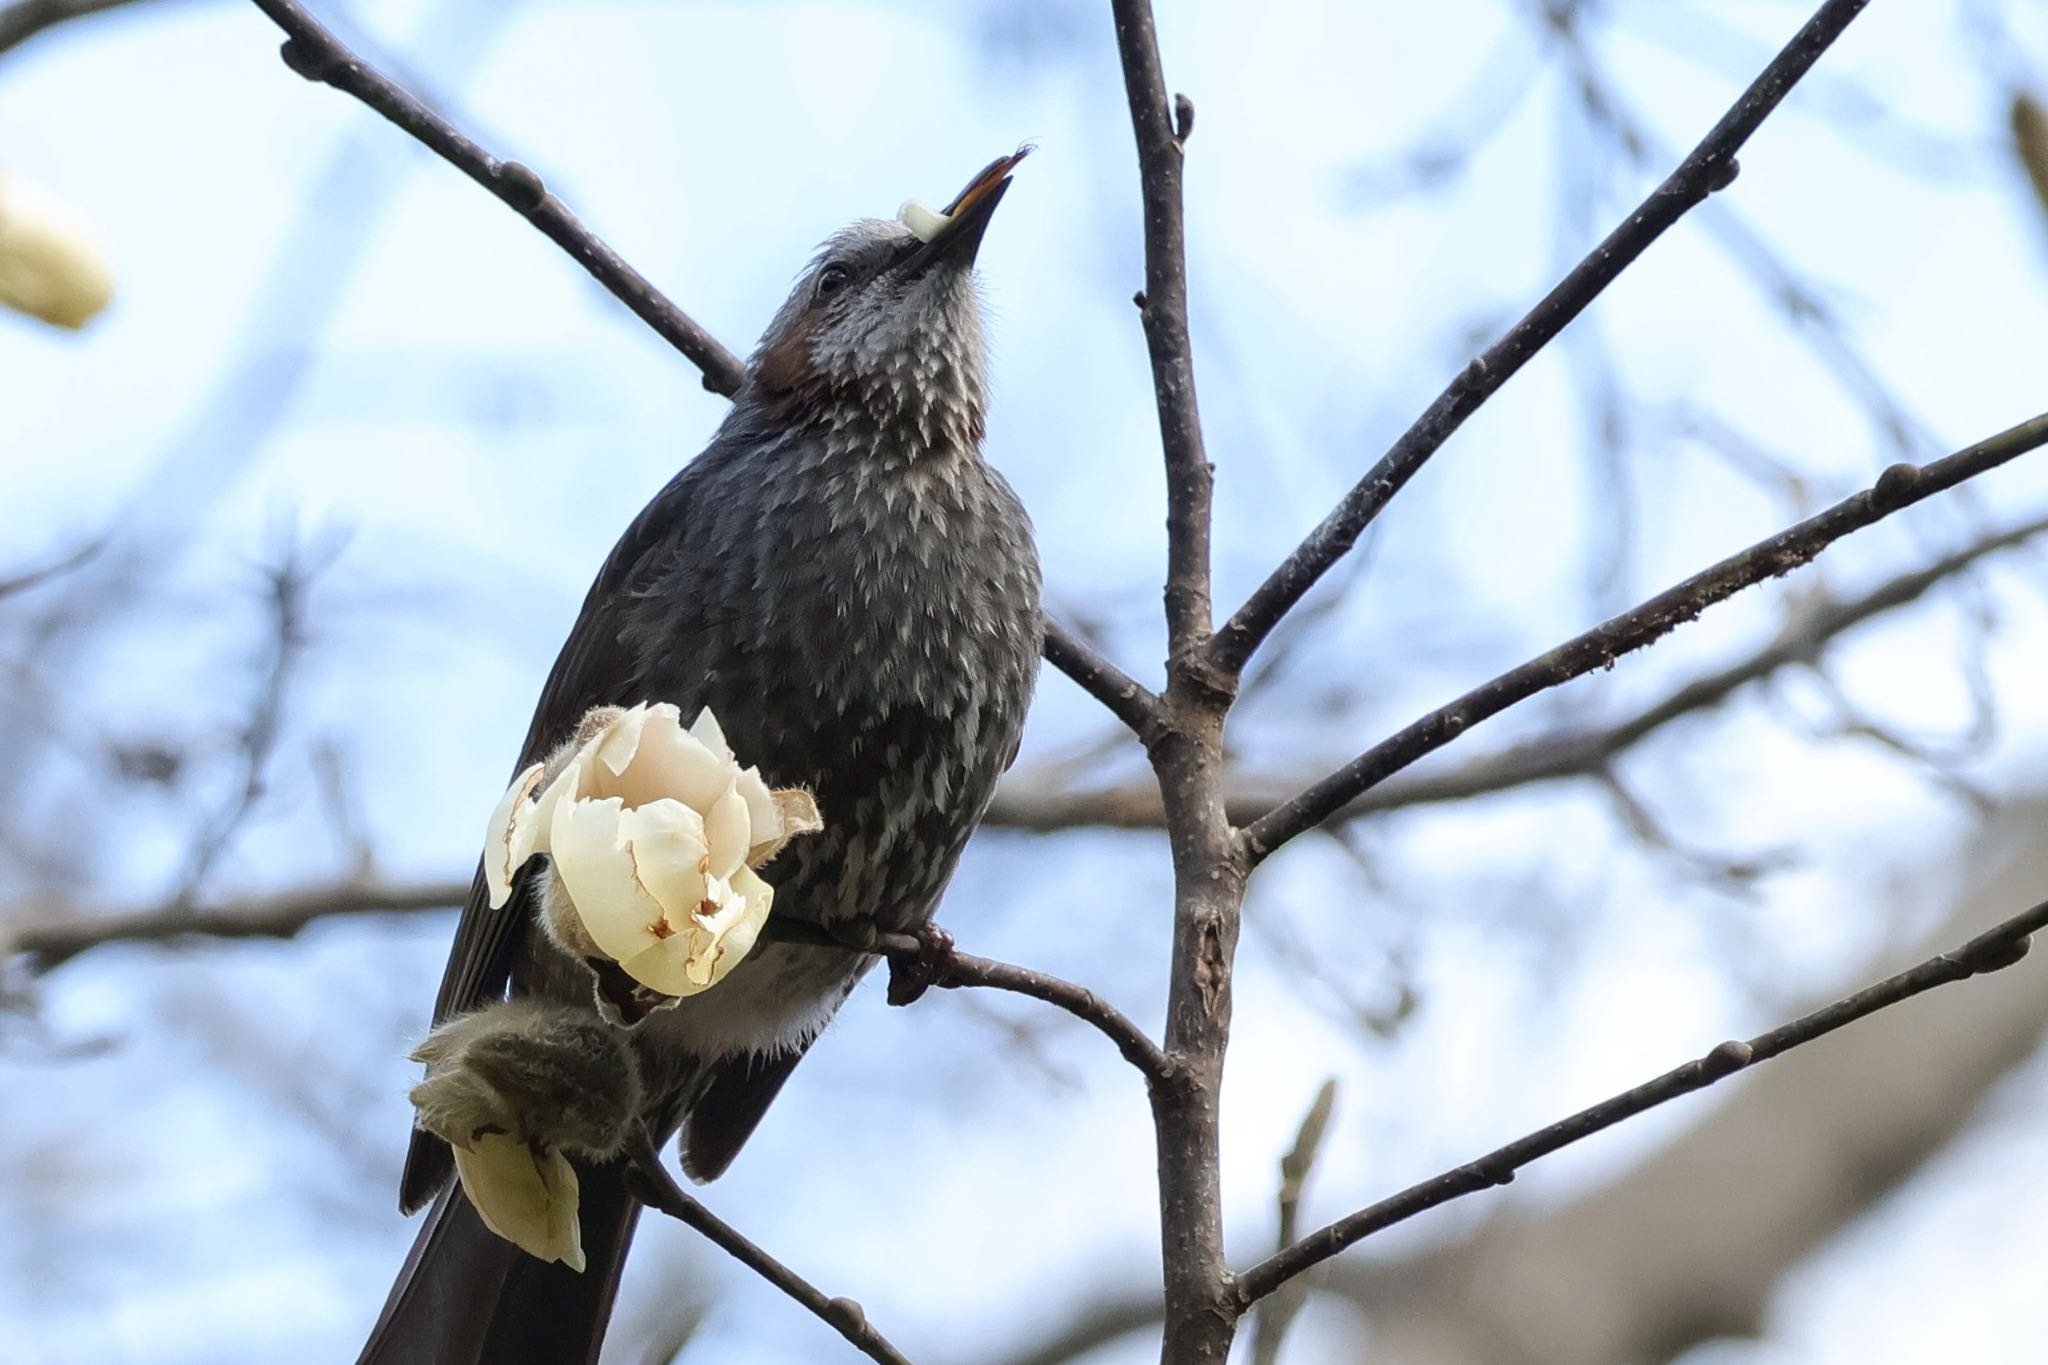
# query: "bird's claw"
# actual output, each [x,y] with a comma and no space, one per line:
[912,974]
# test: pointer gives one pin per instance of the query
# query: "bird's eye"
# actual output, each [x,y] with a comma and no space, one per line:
[833,278]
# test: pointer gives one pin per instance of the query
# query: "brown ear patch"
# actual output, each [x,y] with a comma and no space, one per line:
[786,366]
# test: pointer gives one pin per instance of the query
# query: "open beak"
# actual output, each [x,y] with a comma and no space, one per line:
[967,217]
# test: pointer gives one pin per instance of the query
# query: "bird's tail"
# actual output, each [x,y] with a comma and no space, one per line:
[466,1296]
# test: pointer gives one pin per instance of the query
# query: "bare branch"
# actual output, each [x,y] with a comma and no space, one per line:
[1709,167]
[1993,950]
[1209,866]
[24,19]
[51,938]
[958,969]
[1278,1313]
[1898,487]
[658,1190]
[318,55]
[1692,1242]
[1031,802]
[1161,125]
[286,587]
[1128,700]
[43,573]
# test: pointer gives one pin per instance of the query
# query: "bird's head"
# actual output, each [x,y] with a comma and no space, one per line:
[887,319]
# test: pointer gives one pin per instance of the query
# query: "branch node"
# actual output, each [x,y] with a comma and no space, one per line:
[520,186]
[1183,118]
[847,1315]
[1722,174]
[1894,486]
[1138,300]
[309,60]
[1727,1058]
[2000,956]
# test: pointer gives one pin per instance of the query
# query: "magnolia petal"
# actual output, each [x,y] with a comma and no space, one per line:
[666,841]
[618,743]
[728,935]
[708,732]
[924,223]
[764,820]
[529,1198]
[509,840]
[727,832]
[739,939]
[672,762]
[597,870]
[706,947]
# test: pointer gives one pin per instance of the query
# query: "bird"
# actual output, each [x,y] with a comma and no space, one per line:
[852,589]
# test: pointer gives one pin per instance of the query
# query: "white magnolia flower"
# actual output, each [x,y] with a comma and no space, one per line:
[50,265]
[526,1193]
[654,832]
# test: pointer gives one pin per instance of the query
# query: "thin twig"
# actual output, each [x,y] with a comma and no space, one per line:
[1996,948]
[1898,487]
[1034,802]
[23,20]
[1279,1311]
[51,938]
[286,588]
[659,1191]
[43,573]
[318,55]
[963,969]
[1127,699]
[1160,125]
[1710,167]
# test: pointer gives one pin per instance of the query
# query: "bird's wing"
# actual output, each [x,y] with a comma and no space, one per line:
[597,667]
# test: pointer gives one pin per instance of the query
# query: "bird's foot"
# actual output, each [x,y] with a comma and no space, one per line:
[912,974]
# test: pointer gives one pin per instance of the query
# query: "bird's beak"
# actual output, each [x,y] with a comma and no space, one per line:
[967,218]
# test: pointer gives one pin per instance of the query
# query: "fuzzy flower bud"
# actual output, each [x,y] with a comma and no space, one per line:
[516,1088]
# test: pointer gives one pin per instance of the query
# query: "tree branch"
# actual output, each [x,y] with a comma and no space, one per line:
[656,1188]
[1160,126]
[1186,749]
[1128,700]
[1993,950]
[318,55]
[48,941]
[957,970]
[51,937]
[1711,166]
[1898,487]
[24,19]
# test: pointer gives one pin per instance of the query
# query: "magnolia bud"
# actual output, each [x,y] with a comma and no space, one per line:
[50,265]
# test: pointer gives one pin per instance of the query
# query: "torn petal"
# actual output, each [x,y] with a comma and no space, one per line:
[528,1197]
[665,841]
[925,224]
[509,841]
[727,833]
